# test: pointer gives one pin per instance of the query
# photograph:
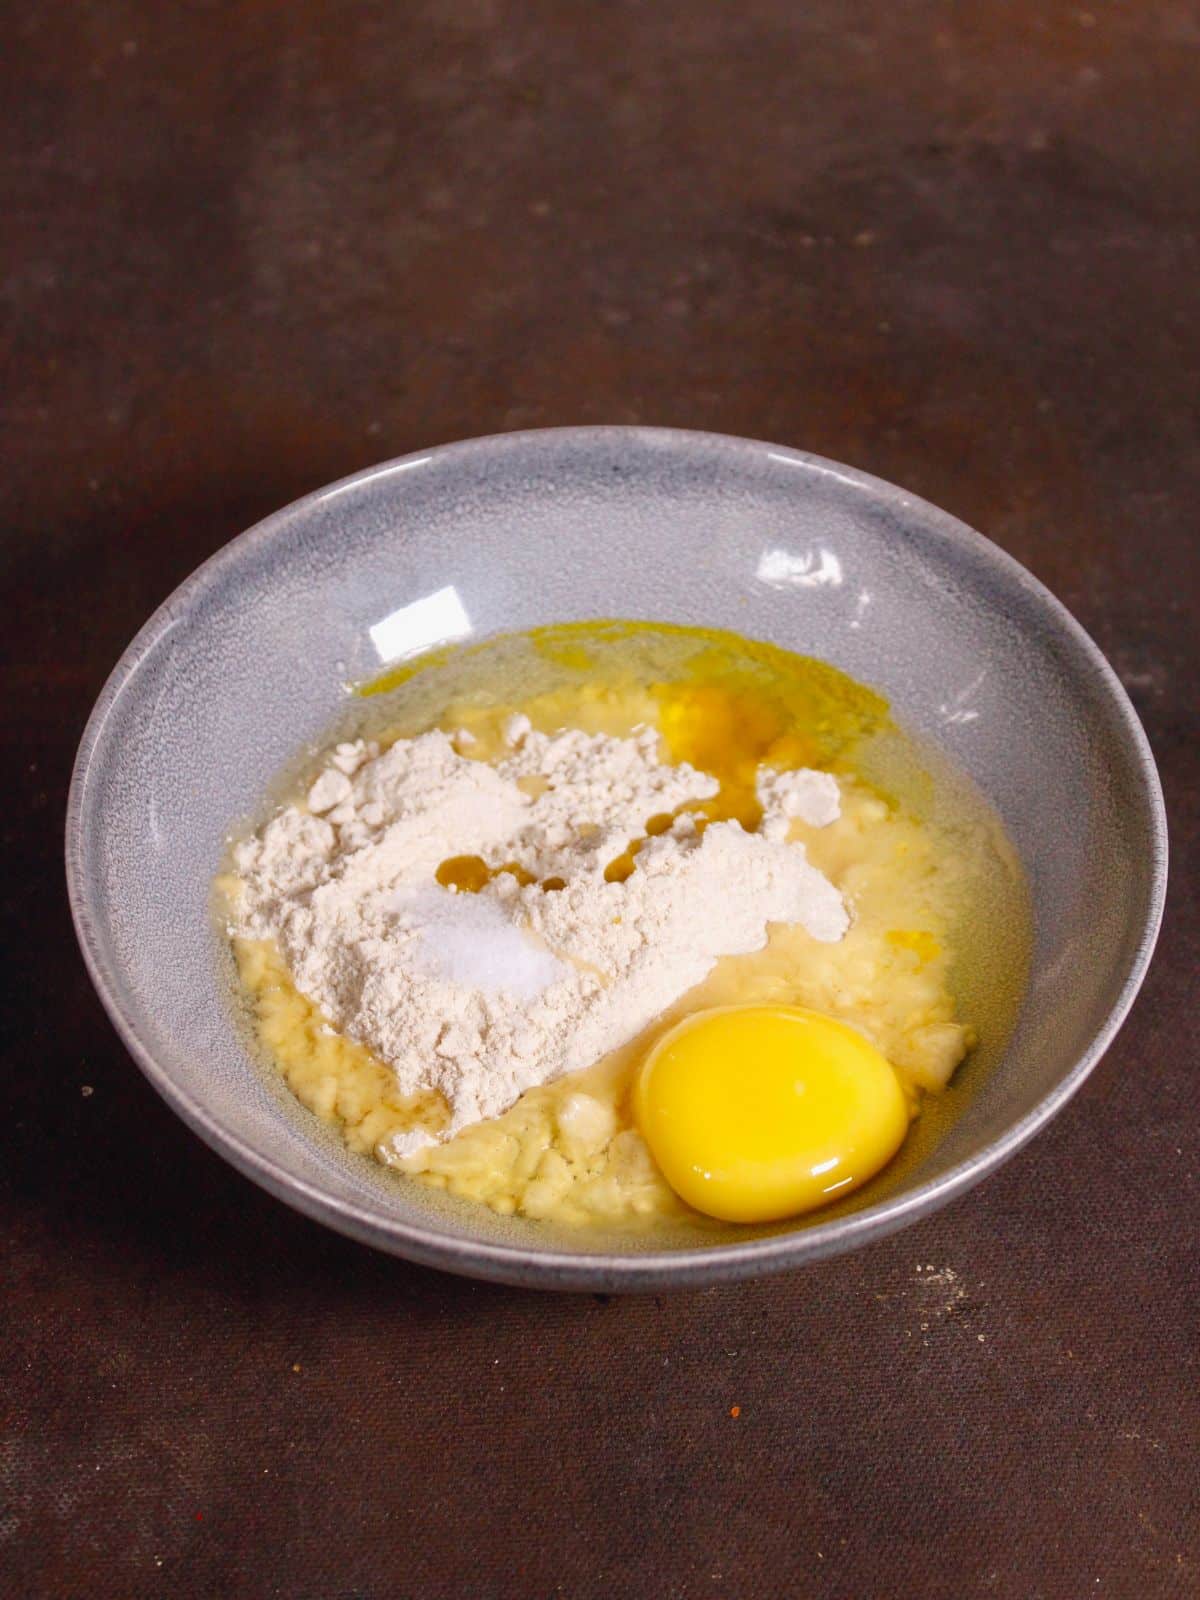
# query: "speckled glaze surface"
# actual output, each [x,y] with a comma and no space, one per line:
[248,662]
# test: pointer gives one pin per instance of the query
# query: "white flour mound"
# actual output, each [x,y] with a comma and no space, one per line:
[482,996]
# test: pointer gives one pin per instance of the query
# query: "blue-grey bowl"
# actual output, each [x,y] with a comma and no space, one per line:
[248,662]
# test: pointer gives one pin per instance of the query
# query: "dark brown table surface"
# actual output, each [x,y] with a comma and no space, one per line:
[251,247]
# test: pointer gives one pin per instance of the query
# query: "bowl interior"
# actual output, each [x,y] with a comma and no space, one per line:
[248,662]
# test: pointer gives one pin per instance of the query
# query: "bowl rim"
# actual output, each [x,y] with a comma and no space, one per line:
[608,1270]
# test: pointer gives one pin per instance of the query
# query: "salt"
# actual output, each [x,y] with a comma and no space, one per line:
[467,939]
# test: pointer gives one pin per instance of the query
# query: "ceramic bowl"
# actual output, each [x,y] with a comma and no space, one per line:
[249,661]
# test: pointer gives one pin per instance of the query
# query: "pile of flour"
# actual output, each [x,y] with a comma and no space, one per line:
[482,996]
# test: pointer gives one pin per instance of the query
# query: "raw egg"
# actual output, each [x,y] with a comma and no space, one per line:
[759,1112]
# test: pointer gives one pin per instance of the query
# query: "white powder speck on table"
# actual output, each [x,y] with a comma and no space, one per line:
[482,996]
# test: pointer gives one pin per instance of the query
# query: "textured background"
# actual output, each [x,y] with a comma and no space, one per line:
[251,246]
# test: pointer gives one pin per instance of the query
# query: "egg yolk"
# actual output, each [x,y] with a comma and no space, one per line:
[754,1113]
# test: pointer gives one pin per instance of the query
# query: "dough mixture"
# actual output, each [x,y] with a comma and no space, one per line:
[460,941]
